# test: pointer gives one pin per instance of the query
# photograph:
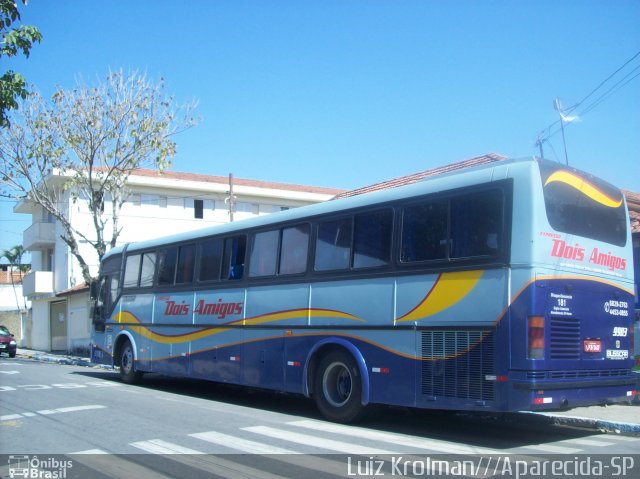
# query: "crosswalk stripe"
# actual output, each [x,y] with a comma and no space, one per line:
[10,417]
[276,453]
[622,438]
[158,446]
[80,408]
[240,444]
[590,442]
[554,449]
[330,444]
[392,438]
[117,467]
[199,460]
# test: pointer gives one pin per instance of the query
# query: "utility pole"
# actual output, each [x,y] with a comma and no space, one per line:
[231,199]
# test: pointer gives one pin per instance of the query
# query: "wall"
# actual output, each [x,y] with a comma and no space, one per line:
[78,324]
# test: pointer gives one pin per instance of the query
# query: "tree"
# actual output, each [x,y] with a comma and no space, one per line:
[14,40]
[14,257]
[84,144]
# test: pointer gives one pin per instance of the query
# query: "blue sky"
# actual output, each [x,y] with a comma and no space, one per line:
[348,93]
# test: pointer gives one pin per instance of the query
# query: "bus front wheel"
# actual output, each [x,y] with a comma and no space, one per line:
[338,388]
[128,371]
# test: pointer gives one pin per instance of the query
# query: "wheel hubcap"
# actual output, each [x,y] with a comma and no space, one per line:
[336,384]
[127,360]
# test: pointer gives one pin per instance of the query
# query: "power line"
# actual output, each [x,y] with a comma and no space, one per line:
[571,108]
[621,83]
[556,127]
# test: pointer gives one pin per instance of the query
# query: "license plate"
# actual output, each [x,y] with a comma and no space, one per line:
[592,346]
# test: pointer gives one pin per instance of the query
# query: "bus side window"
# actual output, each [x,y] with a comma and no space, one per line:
[167,266]
[113,291]
[210,260]
[264,253]
[294,249]
[186,264]
[148,269]
[132,271]
[476,224]
[233,261]
[372,238]
[424,232]
[333,245]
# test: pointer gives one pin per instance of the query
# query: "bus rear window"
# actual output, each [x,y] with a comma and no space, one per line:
[580,204]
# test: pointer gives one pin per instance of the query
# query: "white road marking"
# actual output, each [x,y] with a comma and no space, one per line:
[277,453]
[393,438]
[554,449]
[590,442]
[48,412]
[330,444]
[117,467]
[239,444]
[197,459]
[158,446]
[90,451]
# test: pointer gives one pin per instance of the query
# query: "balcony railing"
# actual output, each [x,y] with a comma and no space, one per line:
[39,236]
[37,282]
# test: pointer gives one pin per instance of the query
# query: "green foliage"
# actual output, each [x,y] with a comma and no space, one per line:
[14,41]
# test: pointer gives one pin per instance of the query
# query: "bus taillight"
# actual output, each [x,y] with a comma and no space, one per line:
[535,333]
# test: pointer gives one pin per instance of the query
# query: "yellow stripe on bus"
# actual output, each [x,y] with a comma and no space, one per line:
[450,288]
[584,187]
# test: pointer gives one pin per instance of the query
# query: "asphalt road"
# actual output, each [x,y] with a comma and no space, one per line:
[182,428]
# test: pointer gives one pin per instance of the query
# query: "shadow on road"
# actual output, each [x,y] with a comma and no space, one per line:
[493,431]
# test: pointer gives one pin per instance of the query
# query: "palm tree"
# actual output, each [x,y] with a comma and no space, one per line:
[14,257]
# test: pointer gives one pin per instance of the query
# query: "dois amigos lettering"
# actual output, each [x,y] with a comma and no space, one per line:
[562,250]
[219,309]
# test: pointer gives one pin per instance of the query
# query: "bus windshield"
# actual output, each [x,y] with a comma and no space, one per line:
[578,203]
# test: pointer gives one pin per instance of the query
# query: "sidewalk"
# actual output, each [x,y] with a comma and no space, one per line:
[616,418]
[58,358]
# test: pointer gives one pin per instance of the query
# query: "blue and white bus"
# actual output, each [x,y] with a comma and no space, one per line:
[503,287]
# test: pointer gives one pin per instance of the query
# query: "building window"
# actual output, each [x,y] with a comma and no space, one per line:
[198,209]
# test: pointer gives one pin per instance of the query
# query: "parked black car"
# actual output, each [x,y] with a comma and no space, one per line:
[7,343]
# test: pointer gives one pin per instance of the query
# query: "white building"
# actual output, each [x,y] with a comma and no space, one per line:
[159,204]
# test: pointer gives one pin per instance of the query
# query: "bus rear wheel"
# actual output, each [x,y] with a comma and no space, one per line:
[338,388]
[128,372]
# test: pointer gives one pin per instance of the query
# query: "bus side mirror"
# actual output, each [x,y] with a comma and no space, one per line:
[93,290]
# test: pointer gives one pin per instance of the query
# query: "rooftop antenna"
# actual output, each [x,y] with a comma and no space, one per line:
[539,142]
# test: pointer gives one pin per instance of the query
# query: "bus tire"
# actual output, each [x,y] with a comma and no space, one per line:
[338,387]
[128,372]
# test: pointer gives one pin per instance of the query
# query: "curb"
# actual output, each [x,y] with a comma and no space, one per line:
[622,428]
[602,425]
[56,359]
